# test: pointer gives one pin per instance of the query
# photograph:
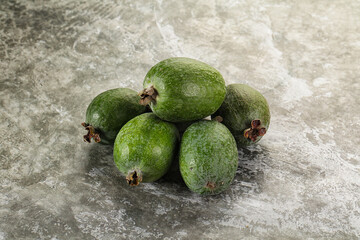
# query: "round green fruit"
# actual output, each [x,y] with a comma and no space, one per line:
[183,89]
[245,112]
[145,148]
[108,112]
[208,157]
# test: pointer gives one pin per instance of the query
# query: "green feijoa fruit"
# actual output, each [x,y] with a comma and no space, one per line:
[108,112]
[208,157]
[183,89]
[145,148]
[245,112]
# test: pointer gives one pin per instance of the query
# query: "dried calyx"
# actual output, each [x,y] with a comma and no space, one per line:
[255,130]
[91,133]
[134,178]
[148,95]
[210,185]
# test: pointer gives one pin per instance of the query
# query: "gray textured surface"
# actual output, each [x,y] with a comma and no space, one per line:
[301,181]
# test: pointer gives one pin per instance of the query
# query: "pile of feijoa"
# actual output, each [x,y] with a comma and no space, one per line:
[164,125]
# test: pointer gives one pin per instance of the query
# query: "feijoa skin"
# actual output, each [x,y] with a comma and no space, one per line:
[145,148]
[108,112]
[208,157]
[245,112]
[183,89]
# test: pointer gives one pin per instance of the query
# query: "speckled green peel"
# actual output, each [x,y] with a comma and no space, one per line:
[145,148]
[183,89]
[208,157]
[245,112]
[108,112]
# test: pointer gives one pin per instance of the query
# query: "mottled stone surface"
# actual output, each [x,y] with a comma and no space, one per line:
[301,181]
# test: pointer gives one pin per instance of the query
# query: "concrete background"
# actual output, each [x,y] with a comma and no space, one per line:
[301,181]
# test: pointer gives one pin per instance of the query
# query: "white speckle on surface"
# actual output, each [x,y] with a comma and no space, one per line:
[157,151]
[50,182]
[2,235]
[295,90]
[95,116]
[125,151]
[191,90]
[320,81]
[160,210]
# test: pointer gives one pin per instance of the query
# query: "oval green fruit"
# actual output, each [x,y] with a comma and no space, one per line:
[245,112]
[108,112]
[145,148]
[208,157]
[183,89]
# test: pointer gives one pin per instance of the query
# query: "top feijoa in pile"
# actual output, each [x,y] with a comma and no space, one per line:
[180,92]
[183,89]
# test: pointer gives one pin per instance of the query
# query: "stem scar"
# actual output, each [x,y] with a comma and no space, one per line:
[92,133]
[148,95]
[255,130]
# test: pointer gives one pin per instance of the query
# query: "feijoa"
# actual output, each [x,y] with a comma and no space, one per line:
[245,112]
[145,148]
[183,89]
[208,157]
[108,112]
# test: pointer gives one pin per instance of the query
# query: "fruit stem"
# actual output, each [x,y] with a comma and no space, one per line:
[148,95]
[134,178]
[92,133]
[255,130]
[210,185]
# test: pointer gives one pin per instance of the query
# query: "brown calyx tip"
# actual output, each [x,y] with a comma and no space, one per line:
[148,95]
[134,178]
[218,119]
[210,185]
[92,133]
[255,130]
